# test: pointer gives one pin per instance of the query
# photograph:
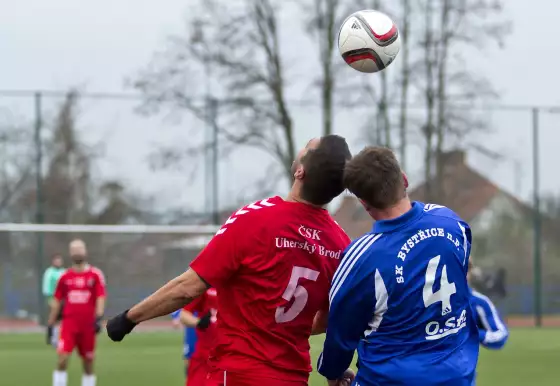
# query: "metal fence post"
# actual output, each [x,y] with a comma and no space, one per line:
[39,209]
[536,223]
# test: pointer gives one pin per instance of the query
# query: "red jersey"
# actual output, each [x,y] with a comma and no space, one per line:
[272,263]
[79,291]
[205,338]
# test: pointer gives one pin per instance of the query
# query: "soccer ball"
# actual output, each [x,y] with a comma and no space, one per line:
[369,41]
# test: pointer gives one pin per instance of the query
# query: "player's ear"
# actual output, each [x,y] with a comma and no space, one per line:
[405,180]
[299,173]
[366,207]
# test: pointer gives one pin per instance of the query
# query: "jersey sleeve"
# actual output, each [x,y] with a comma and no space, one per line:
[353,297]
[60,289]
[100,284]
[494,333]
[467,241]
[196,305]
[222,257]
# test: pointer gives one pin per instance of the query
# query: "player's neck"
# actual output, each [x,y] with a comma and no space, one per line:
[294,196]
[79,267]
[392,212]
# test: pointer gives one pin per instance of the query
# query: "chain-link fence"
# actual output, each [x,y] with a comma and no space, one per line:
[511,154]
[134,265]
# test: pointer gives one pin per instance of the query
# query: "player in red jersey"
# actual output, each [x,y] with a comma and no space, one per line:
[207,306]
[272,263]
[82,289]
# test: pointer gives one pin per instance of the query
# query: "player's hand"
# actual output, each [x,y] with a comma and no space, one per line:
[346,379]
[204,322]
[49,335]
[119,326]
[97,324]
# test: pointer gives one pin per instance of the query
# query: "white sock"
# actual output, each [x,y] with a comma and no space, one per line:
[54,339]
[88,380]
[60,378]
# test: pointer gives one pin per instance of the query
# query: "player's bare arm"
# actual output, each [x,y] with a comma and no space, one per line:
[320,322]
[100,307]
[188,319]
[55,310]
[175,294]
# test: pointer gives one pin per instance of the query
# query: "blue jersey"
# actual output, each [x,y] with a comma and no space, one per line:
[400,297]
[492,331]
[189,338]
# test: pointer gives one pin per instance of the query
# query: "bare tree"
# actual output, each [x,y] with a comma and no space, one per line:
[406,11]
[326,17]
[16,163]
[236,48]
[450,26]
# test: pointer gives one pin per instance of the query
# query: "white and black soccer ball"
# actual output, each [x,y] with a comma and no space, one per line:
[369,41]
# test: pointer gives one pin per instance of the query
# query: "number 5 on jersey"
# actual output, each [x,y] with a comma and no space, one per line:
[446,289]
[297,292]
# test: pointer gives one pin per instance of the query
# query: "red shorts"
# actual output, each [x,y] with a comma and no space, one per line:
[222,378]
[77,336]
[197,372]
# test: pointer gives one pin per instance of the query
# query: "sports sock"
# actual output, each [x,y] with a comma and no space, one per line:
[88,380]
[60,378]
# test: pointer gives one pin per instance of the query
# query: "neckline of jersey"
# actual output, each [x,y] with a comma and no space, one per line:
[384,226]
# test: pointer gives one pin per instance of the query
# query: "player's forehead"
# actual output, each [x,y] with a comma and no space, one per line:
[77,244]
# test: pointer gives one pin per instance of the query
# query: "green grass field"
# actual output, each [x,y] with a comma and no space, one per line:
[531,357]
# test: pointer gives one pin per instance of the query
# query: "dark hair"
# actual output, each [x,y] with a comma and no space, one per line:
[324,170]
[375,177]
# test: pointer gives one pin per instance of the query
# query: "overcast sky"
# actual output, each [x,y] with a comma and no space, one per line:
[57,44]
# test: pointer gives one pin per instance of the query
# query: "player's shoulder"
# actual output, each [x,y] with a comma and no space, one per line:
[341,232]
[66,274]
[97,272]
[441,212]
[364,247]
[251,213]
[479,298]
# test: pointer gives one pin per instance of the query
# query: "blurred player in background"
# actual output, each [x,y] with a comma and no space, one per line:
[492,331]
[82,289]
[400,295]
[189,339]
[50,278]
[272,263]
[205,328]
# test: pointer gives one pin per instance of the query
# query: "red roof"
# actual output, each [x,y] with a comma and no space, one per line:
[465,191]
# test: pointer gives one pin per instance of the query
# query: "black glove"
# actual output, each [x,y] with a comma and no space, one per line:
[119,326]
[205,321]
[49,335]
[97,324]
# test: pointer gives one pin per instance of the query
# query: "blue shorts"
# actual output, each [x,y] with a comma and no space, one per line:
[189,342]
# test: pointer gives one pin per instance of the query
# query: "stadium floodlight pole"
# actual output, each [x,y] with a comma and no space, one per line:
[536,222]
[39,210]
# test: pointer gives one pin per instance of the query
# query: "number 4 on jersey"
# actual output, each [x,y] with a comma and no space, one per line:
[446,289]
[297,292]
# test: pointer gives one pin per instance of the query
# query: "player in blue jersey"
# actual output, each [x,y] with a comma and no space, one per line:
[400,295]
[492,331]
[189,340]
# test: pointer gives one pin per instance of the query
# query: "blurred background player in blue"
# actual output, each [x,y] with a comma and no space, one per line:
[492,331]
[189,339]
[400,295]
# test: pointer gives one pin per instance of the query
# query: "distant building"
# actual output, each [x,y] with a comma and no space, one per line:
[474,197]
